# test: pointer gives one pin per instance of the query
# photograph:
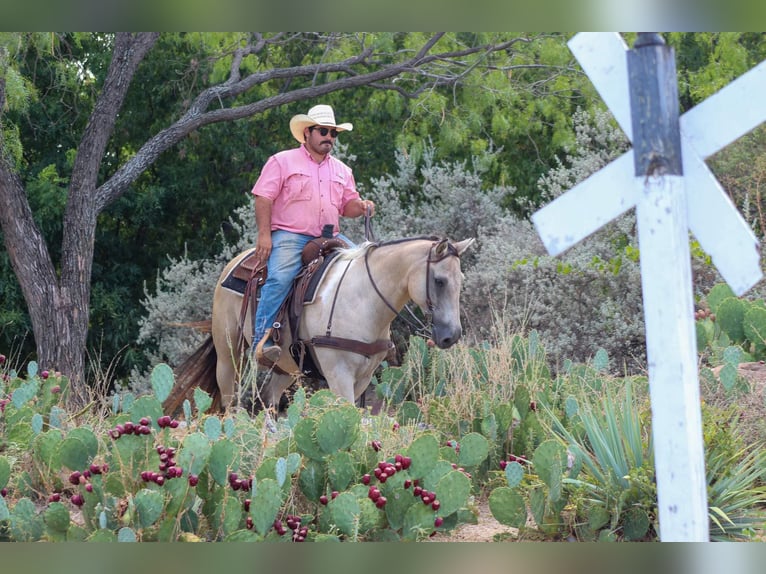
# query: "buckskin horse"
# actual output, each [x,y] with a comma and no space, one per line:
[344,327]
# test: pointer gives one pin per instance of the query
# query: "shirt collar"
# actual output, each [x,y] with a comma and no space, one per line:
[308,156]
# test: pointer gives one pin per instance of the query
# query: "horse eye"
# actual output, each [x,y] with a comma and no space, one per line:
[439,282]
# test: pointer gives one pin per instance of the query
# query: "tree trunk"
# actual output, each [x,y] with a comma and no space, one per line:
[59,301]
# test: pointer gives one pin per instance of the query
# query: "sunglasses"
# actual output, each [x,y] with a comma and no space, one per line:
[324,131]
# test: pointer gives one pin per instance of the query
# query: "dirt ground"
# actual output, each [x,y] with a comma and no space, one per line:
[487,530]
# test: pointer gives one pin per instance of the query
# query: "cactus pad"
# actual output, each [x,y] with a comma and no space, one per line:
[341,470]
[304,434]
[194,453]
[337,429]
[514,474]
[345,512]
[474,449]
[424,452]
[452,491]
[508,507]
[265,505]
[223,459]
[162,381]
[149,505]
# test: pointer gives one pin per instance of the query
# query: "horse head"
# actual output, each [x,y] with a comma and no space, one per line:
[443,283]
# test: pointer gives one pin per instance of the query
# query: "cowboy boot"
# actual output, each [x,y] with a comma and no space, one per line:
[267,352]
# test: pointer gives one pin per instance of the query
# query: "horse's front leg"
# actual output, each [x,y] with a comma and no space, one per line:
[348,375]
[273,388]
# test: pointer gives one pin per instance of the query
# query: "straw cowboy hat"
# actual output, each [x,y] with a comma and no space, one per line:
[319,115]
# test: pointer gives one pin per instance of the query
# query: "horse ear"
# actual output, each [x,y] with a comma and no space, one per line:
[441,248]
[463,245]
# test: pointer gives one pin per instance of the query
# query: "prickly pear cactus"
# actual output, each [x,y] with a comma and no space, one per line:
[26,525]
[730,317]
[5,471]
[341,470]
[474,449]
[148,504]
[514,473]
[549,462]
[265,505]
[635,524]
[424,452]
[305,437]
[344,513]
[508,507]
[223,459]
[312,479]
[194,453]
[452,492]
[162,381]
[754,327]
[338,428]
[57,521]
[717,294]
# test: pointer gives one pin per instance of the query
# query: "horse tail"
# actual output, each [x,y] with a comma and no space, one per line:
[198,370]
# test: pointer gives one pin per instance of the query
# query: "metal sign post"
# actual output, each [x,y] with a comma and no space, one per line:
[665,178]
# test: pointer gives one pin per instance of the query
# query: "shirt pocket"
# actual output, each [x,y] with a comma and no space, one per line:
[299,187]
[337,189]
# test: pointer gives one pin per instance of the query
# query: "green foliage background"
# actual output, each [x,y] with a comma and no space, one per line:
[518,122]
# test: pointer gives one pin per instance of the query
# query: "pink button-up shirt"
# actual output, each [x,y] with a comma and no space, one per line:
[307,195]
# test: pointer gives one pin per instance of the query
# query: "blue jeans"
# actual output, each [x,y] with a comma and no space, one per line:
[284,264]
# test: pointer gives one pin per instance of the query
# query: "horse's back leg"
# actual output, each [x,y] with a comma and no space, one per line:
[226,381]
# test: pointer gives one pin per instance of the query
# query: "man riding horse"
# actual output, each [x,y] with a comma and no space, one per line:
[298,193]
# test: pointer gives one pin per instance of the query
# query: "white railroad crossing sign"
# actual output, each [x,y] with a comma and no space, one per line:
[668,204]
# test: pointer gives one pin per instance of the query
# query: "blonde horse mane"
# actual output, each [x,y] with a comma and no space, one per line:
[349,253]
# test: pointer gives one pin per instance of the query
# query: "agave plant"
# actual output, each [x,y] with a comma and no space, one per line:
[615,489]
[735,478]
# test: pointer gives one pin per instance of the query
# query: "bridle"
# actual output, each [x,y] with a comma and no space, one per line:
[440,249]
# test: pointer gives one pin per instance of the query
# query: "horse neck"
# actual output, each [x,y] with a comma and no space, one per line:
[392,267]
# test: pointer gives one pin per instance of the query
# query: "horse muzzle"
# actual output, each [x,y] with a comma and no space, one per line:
[444,336]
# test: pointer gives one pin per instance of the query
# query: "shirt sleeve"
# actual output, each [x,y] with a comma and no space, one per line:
[269,183]
[349,191]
